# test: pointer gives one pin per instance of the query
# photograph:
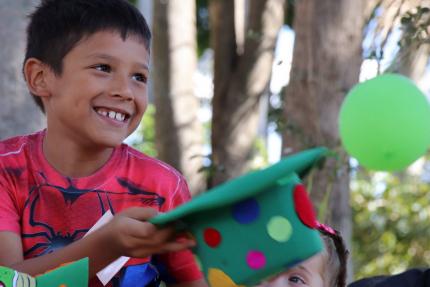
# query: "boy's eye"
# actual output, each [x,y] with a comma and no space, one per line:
[102,68]
[140,77]
[296,280]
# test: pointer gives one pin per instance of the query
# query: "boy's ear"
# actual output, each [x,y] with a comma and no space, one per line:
[36,75]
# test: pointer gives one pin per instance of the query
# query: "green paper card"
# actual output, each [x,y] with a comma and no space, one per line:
[74,274]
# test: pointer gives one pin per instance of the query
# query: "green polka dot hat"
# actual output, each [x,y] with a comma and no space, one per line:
[254,226]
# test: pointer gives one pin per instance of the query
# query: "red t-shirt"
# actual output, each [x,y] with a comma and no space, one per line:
[49,210]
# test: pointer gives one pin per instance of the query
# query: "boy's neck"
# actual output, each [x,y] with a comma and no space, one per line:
[74,161]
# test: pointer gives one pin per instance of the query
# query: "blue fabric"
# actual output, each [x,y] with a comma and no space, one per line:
[163,271]
[144,275]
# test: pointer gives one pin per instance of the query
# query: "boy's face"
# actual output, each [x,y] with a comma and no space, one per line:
[101,95]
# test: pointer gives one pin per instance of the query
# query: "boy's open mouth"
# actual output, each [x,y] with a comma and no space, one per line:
[115,115]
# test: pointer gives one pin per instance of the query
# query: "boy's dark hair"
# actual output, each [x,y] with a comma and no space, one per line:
[56,26]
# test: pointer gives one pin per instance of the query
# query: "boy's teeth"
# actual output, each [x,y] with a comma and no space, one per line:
[119,117]
[112,115]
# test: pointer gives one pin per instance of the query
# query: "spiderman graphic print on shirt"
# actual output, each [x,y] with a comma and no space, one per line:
[50,211]
[47,232]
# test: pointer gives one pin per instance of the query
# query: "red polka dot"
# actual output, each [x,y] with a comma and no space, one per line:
[212,237]
[304,207]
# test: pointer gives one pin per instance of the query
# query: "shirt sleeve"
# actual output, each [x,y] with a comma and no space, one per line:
[180,195]
[178,267]
[9,214]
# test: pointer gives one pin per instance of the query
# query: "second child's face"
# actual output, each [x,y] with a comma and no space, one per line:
[101,94]
[306,274]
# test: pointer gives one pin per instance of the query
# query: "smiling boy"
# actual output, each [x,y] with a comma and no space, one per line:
[86,65]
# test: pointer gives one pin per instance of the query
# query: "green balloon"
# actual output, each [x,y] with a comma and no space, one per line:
[385,123]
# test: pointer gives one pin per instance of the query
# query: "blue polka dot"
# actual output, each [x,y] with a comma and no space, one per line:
[246,211]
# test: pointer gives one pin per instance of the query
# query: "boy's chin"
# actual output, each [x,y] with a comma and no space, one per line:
[110,142]
[114,144]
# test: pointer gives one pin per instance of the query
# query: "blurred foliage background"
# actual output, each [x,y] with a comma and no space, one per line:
[390,212]
[391,222]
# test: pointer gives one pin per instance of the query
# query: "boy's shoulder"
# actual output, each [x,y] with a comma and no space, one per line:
[152,174]
[17,145]
[17,153]
[148,164]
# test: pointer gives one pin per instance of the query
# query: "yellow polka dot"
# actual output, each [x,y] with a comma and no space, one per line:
[217,278]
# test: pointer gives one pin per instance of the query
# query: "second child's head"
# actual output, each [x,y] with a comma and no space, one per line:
[326,269]
[88,50]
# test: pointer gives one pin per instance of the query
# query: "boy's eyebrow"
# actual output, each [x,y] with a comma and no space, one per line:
[108,57]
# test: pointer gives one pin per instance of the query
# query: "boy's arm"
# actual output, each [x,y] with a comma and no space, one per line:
[11,254]
[128,233]
[10,248]
[179,269]
[181,196]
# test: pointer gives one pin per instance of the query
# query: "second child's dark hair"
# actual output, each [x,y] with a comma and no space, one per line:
[56,26]
[337,256]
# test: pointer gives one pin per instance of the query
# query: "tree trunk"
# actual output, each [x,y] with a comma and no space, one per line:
[240,79]
[411,61]
[326,64]
[179,134]
[18,112]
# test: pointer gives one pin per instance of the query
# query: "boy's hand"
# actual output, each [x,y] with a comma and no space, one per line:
[130,234]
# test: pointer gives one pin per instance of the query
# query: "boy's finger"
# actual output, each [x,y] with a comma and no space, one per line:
[140,213]
[172,246]
[144,230]
[178,245]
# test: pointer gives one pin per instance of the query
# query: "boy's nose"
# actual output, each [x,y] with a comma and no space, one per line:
[121,87]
